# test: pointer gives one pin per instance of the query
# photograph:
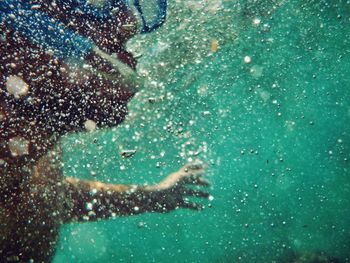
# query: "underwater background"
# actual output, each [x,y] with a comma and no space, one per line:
[260,91]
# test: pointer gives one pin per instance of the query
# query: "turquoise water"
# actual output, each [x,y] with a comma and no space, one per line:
[275,133]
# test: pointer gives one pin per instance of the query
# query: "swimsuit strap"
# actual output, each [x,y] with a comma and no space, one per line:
[158,21]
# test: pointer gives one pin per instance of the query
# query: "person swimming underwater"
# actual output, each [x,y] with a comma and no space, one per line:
[63,64]
[76,30]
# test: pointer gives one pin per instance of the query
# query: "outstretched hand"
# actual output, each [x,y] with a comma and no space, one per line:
[173,192]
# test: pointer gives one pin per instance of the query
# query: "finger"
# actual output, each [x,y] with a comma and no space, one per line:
[196,193]
[194,166]
[196,180]
[201,181]
[193,172]
[192,206]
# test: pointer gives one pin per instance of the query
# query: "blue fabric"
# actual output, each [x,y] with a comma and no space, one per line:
[52,35]
[104,12]
[43,31]
[160,16]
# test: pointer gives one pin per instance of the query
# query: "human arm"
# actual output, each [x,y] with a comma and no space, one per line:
[111,68]
[90,201]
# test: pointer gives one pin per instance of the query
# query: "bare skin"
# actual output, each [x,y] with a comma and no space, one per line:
[36,198]
[30,226]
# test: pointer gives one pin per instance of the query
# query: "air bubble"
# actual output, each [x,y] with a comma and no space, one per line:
[90,125]
[16,86]
[18,146]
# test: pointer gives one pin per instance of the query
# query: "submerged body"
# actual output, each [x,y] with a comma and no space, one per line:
[43,97]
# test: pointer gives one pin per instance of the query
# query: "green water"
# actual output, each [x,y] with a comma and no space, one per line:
[275,133]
